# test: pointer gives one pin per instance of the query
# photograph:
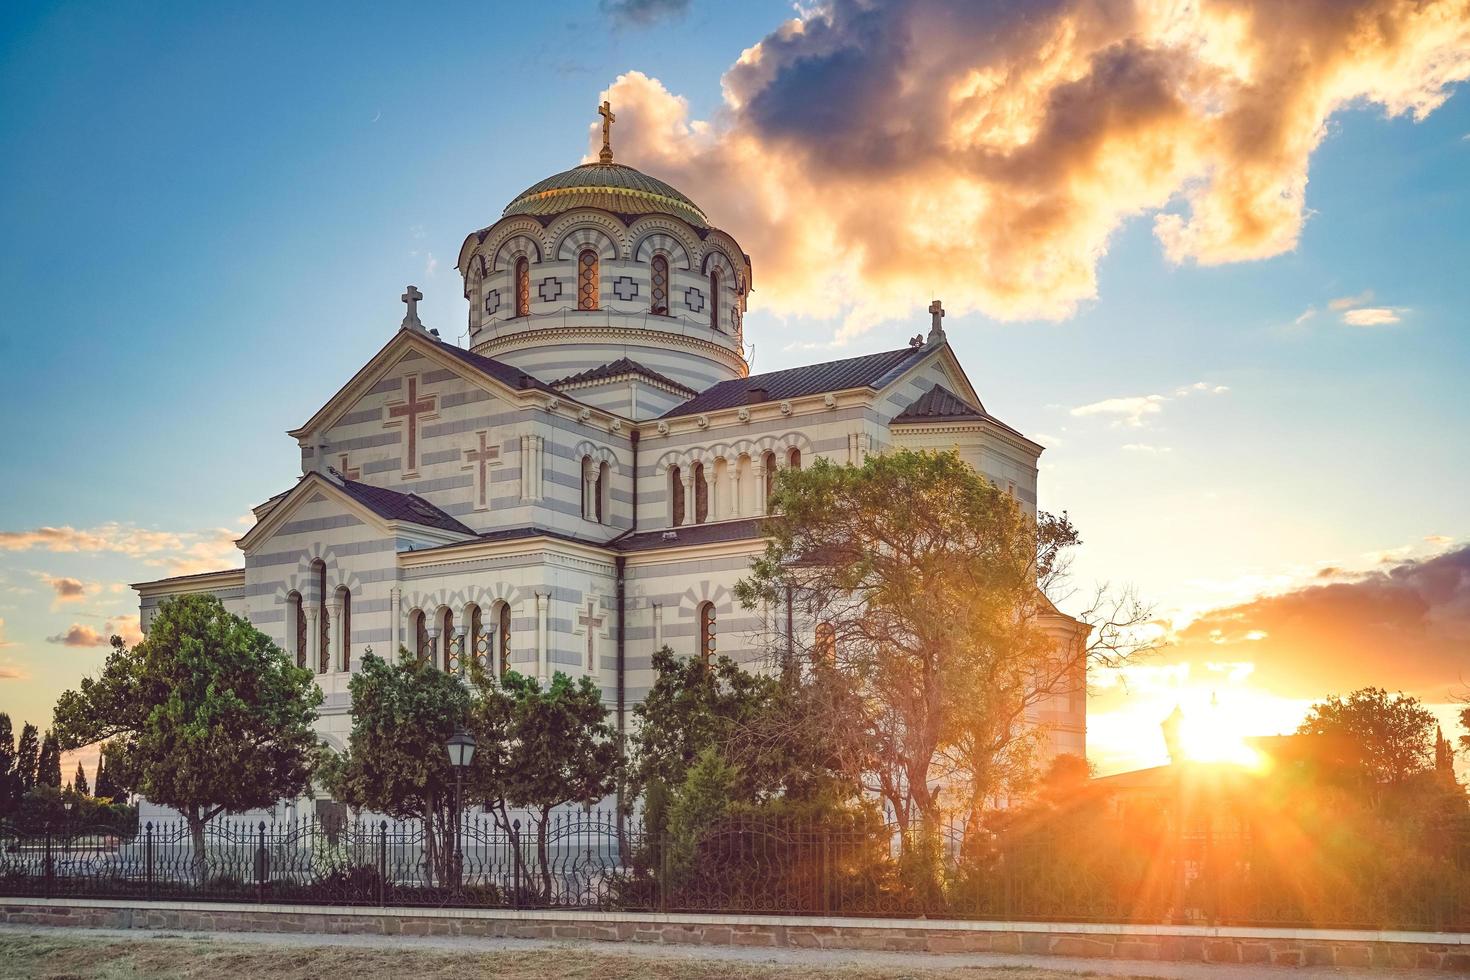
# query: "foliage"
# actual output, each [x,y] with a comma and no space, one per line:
[48,762]
[206,714]
[396,763]
[27,754]
[9,778]
[1394,732]
[927,578]
[79,781]
[104,788]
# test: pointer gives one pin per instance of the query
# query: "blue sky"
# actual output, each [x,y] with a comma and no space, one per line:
[210,215]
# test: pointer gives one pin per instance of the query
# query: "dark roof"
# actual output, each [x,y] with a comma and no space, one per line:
[939,404]
[866,371]
[748,529]
[394,506]
[498,370]
[617,369]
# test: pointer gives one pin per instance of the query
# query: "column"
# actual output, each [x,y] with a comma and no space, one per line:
[733,471]
[589,489]
[543,603]
[658,625]
[313,639]
[334,634]
[397,613]
[686,477]
[433,632]
[459,650]
[758,477]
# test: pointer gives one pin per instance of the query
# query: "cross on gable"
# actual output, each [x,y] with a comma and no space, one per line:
[411,297]
[348,473]
[480,460]
[936,314]
[591,623]
[413,411]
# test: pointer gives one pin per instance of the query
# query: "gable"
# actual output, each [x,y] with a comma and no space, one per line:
[319,509]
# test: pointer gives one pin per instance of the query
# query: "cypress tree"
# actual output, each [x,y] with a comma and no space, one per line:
[26,758]
[48,764]
[80,782]
[9,778]
[102,785]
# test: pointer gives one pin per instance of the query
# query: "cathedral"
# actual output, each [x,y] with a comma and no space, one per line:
[584,483]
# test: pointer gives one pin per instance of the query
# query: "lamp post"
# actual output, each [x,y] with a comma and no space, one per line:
[461,746]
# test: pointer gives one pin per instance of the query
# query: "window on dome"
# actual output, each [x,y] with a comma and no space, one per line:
[660,286]
[588,291]
[523,286]
[714,299]
[298,618]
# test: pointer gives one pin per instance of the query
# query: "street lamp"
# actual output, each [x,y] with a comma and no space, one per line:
[461,748]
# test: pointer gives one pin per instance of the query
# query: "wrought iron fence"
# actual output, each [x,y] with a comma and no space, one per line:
[855,866]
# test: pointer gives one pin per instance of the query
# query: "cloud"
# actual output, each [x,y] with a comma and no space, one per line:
[179,552]
[1371,316]
[80,635]
[987,152]
[1305,315]
[641,13]
[1135,410]
[1401,625]
[1348,302]
[1143,447]
[66,589]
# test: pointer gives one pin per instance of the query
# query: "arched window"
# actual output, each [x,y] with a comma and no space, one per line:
[423,644]
[297,613]
[714,299]
[588,287]
[602,490]
[793,458]
[701,495]
[344,627]
[707,631]
[676,497]
[825,649]
[503,629]
[660,291]
[523,286]
[323,618]
[477,643]
[449,655]
[768,465]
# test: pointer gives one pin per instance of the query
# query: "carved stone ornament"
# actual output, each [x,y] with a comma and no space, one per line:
[785,408]
[830,400]
[584,415]
[553,404]
[702,421]
[617,425]
[663,428]
[743,415]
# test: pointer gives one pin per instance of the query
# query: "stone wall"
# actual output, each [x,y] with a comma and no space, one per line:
[1200,944]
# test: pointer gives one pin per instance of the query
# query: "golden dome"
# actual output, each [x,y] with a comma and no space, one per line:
[609,186]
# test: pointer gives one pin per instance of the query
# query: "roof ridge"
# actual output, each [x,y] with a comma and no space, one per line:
[618,366]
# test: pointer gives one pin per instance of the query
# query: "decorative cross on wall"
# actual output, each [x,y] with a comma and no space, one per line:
[694,299]
[414,411]
[481,460]
[625,288]
[348,473]
[550,289]
[492,301]
[591,623]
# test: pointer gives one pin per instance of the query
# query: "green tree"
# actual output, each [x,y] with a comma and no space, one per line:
[27,754]
[1394,733]
[564,751]
[925,583]
[9,777]
[103,787]
[396,763]
[206,715]
[48,763]
[79,782]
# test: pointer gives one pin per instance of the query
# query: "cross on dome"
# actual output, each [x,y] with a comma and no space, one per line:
[605,111]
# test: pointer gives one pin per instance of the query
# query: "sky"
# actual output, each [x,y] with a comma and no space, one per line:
[1211,255]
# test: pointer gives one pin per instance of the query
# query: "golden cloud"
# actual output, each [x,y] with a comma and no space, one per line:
[180,552]
[874,156]
[1371,316]
[80,635]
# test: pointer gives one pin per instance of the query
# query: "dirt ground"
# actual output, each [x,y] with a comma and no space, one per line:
[78,956]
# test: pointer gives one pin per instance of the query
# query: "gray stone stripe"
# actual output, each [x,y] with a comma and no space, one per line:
[369,442]
[317,524]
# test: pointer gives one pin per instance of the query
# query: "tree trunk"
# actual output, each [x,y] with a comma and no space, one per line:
[196,835]
[543,856]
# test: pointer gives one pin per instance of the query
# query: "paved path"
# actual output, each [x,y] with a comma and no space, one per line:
[900,962]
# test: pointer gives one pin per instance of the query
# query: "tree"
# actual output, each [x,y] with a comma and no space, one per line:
[103,787]
[396,763]
[206,715]
[26,757]
[1393,732]
[79,782]
[925,583]
[48,764]
[9,778]
[564,751]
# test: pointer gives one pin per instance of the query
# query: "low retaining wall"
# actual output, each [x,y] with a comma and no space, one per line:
[1203,944]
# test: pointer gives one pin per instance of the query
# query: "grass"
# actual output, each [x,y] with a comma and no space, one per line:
[74,957]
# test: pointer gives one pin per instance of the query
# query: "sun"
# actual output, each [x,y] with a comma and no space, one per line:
[1217,735]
